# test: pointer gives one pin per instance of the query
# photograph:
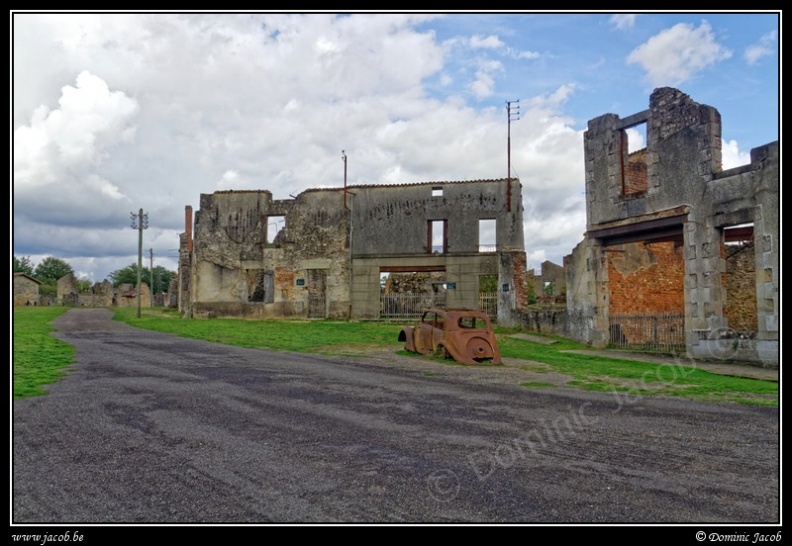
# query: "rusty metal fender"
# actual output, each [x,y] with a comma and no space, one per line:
[407,335]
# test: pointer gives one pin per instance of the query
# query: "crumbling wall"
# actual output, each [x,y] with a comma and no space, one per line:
[327,258]
[646,278]
[67,291]
[238,263]
[414,283]
[126,295]
[101,294]
[689,199]
[551,281]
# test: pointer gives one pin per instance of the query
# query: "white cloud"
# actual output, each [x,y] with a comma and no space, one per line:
[623,20]
[766,46]
[59,153]
[487,42]
[484,84]
[732,156]
[677,54]
[523,54]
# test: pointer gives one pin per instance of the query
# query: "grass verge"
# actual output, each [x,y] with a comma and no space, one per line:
[39,358]
[594,372]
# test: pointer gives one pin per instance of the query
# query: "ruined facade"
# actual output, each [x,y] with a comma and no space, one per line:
[323,253]
[550,281]
[666,227]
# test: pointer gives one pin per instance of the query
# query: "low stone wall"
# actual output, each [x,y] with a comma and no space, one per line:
[546,320]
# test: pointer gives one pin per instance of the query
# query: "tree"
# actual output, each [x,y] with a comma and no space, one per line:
[128,275]
[51,269]
[23,265]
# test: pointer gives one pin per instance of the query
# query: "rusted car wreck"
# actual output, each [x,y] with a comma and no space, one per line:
[465,335]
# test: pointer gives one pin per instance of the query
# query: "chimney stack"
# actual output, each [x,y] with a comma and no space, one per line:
[188,226]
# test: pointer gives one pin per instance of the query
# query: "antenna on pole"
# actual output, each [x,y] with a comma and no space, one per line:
[512,114]
[344,159]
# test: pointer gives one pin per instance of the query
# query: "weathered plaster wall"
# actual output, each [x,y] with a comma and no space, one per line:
[394,219]
[236,269]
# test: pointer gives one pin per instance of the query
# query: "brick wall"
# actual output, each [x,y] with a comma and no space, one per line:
[646,278]
[636,180]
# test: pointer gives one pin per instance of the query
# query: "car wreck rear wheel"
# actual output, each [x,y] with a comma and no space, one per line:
[479,349]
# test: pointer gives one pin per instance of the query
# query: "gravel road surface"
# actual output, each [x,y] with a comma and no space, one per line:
[149,427]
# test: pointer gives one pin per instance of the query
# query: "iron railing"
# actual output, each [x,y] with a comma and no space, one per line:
[488,302]
[408,305]
[412,306]
[662,332]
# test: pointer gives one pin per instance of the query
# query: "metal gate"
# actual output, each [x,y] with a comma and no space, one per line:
[408,305]
[664,332]
[488,302]
[317,293]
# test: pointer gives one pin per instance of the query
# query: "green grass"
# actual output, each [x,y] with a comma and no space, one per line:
[39,358]
[318,336]
[42,357]
[593,372]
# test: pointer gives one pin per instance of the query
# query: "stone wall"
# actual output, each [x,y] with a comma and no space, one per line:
[739,280]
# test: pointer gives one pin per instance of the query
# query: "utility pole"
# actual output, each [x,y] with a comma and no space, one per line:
[151,276]
[139,222]
[512,114]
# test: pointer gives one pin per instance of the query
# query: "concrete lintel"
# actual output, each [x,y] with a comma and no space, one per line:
[633,120]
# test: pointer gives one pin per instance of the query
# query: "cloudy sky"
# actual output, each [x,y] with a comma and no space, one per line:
[117,112]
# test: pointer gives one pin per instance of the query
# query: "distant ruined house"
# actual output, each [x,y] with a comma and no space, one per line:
[26,289]
[678,253]
[325,252]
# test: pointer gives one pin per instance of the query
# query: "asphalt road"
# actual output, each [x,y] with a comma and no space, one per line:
[154,428]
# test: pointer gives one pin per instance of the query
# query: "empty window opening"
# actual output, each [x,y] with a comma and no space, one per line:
[437,192]
[739,280]
[274,225]
[487,235]
[635,176]
[260,286]
[438,236]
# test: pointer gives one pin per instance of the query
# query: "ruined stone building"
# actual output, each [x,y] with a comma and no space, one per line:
[674,240]
[325,252]
[26,289]
[550,281]
[100,294]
